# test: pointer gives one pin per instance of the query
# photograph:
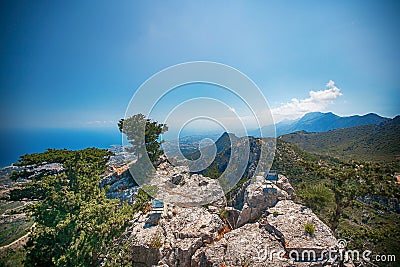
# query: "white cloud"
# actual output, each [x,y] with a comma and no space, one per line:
[318,101]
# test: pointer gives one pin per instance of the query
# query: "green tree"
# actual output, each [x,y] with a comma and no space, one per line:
[143,134]
[76,225]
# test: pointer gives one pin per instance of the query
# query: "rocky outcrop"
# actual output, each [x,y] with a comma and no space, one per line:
[121,183]
[178,235]
[253,245]
[262,194]
[287,220]
[249,245]
[198,236]
[278,240]
[177,185]
[244,246]
[195,228]
[284,184]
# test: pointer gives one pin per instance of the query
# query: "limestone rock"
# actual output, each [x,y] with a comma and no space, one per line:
[287,220]
[176,185]
[246,246]
[122,185]
[284,184]
[259,196]
[176,238]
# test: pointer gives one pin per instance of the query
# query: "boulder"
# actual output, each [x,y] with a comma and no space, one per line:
[250,245]
[287,222]
[284,184]
[259,195]
[176,185]
[121,183]
[176,237]
[146,243]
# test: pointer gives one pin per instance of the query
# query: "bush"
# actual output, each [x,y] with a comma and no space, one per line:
[76,224]
[223,214]
[156,242]
[317,197]
[309,228]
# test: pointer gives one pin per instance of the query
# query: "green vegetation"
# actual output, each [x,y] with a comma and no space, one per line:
[367,142]
[223,214]
[156,242]
[151,190]
[142,201]
[49,156]
[76,225]
[12,257]
[356,199]
[212,171]
[14,228]
[309,228]
[143,134]
[319,198]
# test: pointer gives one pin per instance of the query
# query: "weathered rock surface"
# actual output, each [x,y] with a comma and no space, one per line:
[178,235]
[288,221]
[266,232]
[246,246]
[122,185]
[196,236]
[284,184]
[176,185]
[249,245]
[260,195]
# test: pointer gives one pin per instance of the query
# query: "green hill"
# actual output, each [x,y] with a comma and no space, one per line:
[358,200]
[367,142]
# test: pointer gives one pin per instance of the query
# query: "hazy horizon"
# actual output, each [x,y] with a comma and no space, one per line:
[76,65]
[71,64]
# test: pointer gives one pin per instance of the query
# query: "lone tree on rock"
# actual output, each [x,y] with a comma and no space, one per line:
[143,134]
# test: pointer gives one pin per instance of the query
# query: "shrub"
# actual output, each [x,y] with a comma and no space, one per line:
[156,242]
[223,214]
[309,228]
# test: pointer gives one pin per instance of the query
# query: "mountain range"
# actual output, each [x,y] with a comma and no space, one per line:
[322,122]
[380,142]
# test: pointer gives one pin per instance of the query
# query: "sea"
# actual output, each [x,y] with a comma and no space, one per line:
[17,142]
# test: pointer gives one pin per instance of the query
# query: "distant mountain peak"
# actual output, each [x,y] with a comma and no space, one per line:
[225,140]
[315,115]
[322,122]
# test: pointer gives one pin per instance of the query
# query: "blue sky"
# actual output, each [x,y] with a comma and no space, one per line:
[78,63]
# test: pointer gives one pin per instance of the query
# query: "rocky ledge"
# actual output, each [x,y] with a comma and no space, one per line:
[269,230]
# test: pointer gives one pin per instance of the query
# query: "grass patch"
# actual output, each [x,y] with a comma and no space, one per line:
[12,258]
[309,228]
[9,205]
[13,228]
